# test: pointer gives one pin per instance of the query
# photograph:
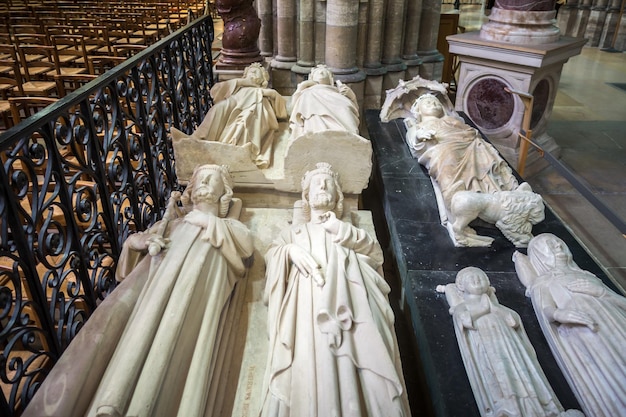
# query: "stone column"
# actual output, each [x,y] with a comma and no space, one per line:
[610,25]
[566,18]
[595,26]
[392,49]
[266,38]
[285,57]
[320,30]
[582,17]
[286,29]
[526,23]
[432,60]
[241,32]
[306,38]
[372,64]
[341,40]
[411,35]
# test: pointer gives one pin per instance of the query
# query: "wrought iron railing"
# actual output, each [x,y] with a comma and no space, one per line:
[77,178]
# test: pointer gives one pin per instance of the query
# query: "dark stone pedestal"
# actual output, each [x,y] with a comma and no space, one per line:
[425,257]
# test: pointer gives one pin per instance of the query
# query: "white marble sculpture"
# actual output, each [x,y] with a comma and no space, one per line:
[459,160]
[513,212]
[318,105]
[245,113]
[584,322]
[332,346]
[500,362]
[164,362]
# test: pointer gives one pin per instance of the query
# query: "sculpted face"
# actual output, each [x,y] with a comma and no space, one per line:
[207,186]
[321,76]
[256,75]
[475,282]
[322,192]
[430,106]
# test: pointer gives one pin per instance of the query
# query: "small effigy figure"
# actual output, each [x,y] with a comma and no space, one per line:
[164,361]
[318,104]
[583,320]
[500,362]
[332,346]
[244,112]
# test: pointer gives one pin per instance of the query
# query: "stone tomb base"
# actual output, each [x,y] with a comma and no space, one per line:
[423,256]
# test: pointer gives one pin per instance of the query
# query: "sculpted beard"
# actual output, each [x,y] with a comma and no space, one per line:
[205,193]
[322,200]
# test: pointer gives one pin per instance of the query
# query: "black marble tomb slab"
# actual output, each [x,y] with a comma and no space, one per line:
[426,257]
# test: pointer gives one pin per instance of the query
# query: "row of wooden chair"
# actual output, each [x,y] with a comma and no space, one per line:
[49,48]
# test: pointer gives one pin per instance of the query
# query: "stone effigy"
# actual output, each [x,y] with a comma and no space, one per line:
[164,362]
[501,364]
[460,161]
[245,113]
[319,105]
[583,321]
[332,346]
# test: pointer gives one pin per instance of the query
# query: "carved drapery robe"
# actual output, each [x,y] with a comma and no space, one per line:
[244,113]
[320,107]
[164,361]
[459,159]
[333,350]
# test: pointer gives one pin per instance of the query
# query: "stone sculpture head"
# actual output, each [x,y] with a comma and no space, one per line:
[548,253]
[427,105]
[322,75]
[257,74]
[212,184]
[472,280]
[321,191]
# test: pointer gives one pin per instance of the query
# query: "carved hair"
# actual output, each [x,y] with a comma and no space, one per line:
[321,168]
[256,65]
[521,210]
[225,199]
[464,273]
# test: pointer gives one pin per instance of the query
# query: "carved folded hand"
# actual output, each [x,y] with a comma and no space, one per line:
[585,286]
[565,316]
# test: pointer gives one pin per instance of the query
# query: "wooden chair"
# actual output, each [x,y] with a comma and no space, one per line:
[68,83]
[99,64]
[97,39]
[32,86]
[25,107]
[10,82]
[70,54]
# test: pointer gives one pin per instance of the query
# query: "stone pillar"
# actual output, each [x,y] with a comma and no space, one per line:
[241,32]
[372,65]
[595,26]
[392,49]
[526,23]
[266,38]
[341,40]
[582,17]
[610,25]
[320,30]
[620,39]
[432,59]
[411,35]
[566,18]
[285,57]
[306,38]
[488,67]
[286,29]
[519,49]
